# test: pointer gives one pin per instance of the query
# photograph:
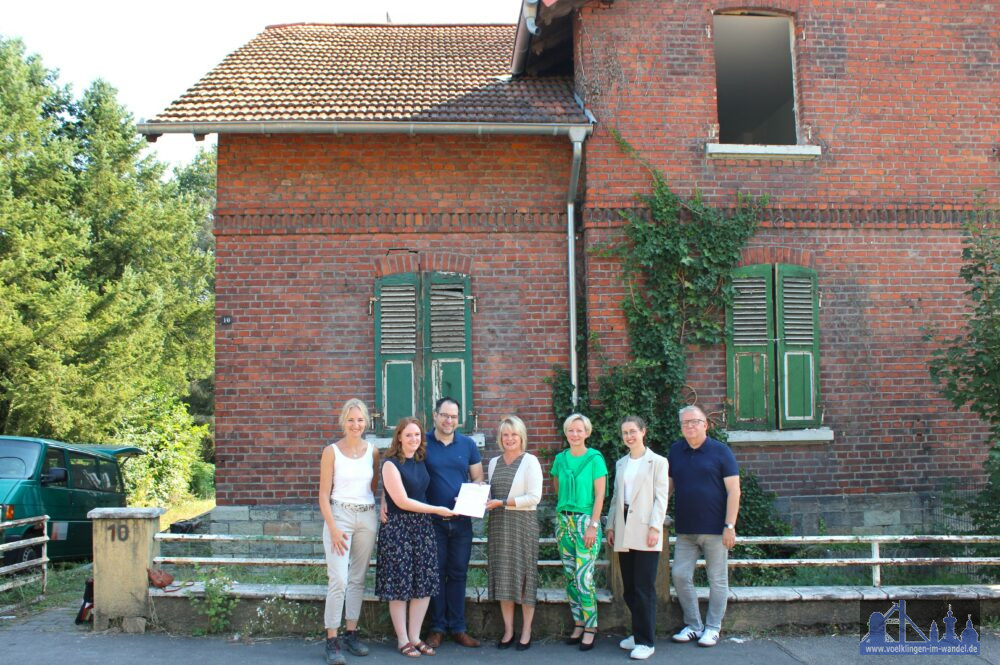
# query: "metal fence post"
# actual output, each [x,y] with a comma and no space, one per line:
[876,569]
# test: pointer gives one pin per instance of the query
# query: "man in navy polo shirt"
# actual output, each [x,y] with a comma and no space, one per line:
[452,459]
[706,487]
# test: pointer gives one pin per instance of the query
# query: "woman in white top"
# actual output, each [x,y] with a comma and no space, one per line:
[635,530]
[347,484]
[515,489]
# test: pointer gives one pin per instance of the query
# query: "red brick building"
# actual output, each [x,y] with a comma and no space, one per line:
[400,216]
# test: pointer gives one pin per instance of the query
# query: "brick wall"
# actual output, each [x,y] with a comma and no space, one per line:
[392,174]
[881,290]
[902,103]
[296,281]
[898,102]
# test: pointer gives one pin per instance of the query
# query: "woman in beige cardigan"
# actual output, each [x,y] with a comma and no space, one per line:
[635,530]
[515,479]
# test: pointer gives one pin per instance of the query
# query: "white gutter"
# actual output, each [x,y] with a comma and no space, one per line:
[154,130]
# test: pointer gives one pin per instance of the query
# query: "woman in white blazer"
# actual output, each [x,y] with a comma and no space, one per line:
[515,479]
[635,530]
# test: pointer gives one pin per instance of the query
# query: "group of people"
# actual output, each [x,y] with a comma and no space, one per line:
[424,547]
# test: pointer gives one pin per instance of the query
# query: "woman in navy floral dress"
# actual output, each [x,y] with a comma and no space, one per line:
[407,554]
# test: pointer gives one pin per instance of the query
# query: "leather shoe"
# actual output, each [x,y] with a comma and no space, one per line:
[465,640]
[523,646]
[434,639]
[506,645]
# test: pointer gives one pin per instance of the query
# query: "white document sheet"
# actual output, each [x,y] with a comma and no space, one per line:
[472,499]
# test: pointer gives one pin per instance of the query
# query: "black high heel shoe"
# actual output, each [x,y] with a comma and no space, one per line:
[523,646]
[506,645]
[577,639]
[583,645]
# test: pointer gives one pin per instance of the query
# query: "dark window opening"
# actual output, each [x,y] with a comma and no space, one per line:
[753,76]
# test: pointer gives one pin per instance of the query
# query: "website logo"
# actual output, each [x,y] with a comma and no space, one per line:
[899,631]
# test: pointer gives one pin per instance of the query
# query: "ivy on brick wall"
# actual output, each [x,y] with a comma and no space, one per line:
[676,256]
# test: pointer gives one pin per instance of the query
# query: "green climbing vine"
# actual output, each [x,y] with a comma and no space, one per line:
[676,255]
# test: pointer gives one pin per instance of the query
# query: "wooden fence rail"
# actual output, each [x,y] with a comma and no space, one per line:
[41,562]
[875,560]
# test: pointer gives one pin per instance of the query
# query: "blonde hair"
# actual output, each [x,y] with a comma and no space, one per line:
[354,403]
[516,425]
[587,426]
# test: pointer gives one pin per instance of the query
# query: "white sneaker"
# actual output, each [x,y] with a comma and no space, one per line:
[642,652]
[709,638]
[686,634]
[628,643]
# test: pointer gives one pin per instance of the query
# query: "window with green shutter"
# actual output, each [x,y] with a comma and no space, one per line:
[423,351]
[772,352]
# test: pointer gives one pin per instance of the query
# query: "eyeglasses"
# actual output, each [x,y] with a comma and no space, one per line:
[691,423]
[447,416]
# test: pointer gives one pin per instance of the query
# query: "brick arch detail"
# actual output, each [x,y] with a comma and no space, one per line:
[778,7]
[397,262]
[438,261]
[789,255]
[433,261]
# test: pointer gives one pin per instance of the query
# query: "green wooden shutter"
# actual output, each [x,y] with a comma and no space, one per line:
[750,388]
[449,329]
[798,347]
[396,349]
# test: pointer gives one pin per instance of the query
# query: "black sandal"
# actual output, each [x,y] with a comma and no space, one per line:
[585,646]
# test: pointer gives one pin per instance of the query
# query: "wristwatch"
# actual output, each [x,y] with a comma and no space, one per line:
[594,523]
[729,525]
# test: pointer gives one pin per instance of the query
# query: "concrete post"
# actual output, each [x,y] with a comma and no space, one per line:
[663,571]
[123,549]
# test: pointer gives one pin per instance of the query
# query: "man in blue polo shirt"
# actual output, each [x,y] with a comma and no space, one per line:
[706,486]
[452,459]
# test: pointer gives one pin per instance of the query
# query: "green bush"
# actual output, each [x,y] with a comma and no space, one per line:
[758,517]
[162,426]
[202,480]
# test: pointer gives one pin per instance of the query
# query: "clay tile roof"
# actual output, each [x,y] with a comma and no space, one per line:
[412,73]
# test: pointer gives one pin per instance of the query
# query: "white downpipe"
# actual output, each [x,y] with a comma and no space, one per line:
[577,137]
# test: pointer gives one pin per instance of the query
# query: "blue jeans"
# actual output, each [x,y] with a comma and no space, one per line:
[716,566]
[454,546]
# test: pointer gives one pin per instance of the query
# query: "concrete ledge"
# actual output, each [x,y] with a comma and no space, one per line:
[125,513]
[298,609]
[748,151]
[263,609]
[786,437]
[317,592]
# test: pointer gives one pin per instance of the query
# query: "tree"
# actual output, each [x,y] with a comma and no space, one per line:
[105,276]
[967,367]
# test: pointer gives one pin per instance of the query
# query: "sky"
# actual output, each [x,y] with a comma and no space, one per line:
[153,52]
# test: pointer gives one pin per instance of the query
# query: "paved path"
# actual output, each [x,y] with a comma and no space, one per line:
[51,637]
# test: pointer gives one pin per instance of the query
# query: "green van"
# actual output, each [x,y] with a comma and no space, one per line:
[63,481]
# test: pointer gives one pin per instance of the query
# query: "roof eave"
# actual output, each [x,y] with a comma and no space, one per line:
[153,130]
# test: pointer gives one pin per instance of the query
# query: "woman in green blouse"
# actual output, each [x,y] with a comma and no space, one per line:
[580,477]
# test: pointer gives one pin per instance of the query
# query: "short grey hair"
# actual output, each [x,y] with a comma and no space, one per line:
[588,427]
[355,403]
[515,425]
[691,408]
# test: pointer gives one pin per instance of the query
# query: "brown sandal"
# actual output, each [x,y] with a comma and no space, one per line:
[424,648]
[409,650]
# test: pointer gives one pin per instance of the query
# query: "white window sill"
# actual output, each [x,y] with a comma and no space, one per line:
[819,435]
[383,442]
[746,151]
